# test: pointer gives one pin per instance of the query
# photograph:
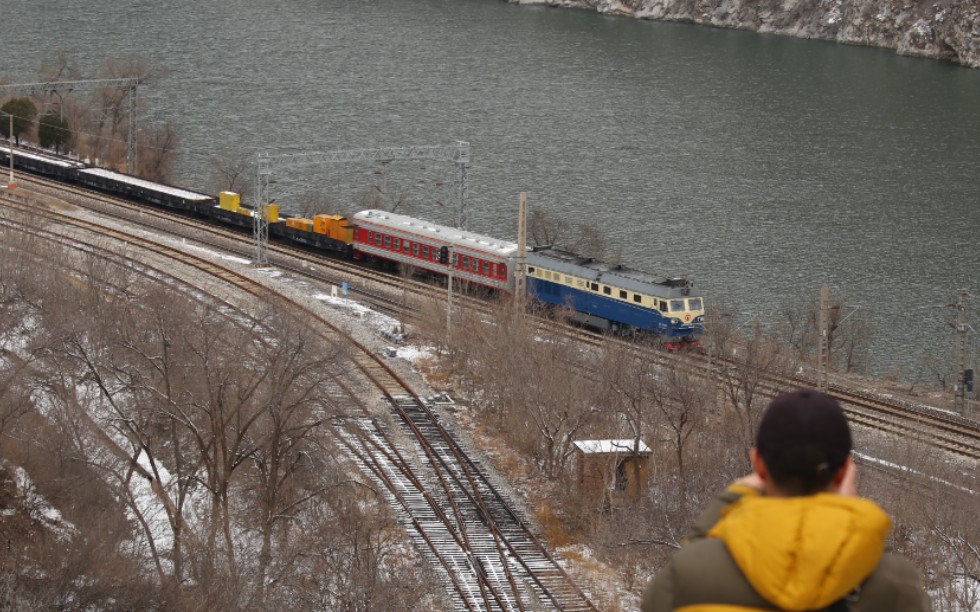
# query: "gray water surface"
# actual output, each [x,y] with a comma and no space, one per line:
[759,166]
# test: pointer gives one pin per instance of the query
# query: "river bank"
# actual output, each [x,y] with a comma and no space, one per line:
[946,30]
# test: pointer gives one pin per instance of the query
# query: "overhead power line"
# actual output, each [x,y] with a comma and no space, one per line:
[130,83]
[269,164]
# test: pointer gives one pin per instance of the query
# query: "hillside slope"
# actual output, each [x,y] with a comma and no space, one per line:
[938,29]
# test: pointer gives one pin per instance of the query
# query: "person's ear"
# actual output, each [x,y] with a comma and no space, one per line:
[845,480]
[759,465]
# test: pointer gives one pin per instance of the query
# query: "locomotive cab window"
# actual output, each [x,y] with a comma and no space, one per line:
[695,303]
[676,305]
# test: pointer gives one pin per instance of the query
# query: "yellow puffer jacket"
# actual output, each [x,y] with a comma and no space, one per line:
[804,553]
[749,552]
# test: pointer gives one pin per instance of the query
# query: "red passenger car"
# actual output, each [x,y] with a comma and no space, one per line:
[405,240]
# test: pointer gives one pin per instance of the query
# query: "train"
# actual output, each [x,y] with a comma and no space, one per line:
[600,295]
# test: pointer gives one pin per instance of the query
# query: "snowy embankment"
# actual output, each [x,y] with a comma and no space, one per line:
[936,29]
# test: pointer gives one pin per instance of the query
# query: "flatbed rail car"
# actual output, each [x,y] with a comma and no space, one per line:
[147,191]
[614,297]
[59,168]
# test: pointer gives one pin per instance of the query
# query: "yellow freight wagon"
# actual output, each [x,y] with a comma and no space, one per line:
[334,226]
[304,225]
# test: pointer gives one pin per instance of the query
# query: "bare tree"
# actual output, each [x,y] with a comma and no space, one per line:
[158,152]
[848,332]
[631,382]
[112,106]
[297,400]
[525,372]
[750,363]
[546,230]
[233,171]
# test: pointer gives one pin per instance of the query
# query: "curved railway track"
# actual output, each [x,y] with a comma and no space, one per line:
[488,556]
[381,291]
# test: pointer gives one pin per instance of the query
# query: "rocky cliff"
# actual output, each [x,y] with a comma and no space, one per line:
[939,29]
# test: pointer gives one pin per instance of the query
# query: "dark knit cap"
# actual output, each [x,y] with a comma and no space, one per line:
[804,433]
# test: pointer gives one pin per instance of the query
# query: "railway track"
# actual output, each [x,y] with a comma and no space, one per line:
[489,557]
[382,292]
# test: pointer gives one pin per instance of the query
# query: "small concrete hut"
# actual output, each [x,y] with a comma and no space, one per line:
[610,467]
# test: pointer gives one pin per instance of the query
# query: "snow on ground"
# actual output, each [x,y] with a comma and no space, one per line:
[216,254]
[383,326]
[36,506]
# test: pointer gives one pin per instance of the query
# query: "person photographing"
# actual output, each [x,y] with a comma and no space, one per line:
[793,535]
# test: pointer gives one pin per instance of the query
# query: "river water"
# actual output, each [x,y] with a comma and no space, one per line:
[761,167]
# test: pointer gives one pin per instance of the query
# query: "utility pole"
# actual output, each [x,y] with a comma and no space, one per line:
[449,298]
[461,157]
[10,145]
[260,216]
[824,325]
[960,394]
[520,266]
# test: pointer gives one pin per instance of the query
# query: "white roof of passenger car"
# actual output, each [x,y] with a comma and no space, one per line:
[439,233]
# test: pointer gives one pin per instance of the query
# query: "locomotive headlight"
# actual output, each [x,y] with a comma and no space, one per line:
[675,321]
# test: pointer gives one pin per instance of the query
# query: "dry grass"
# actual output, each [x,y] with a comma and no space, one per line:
[553,526]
